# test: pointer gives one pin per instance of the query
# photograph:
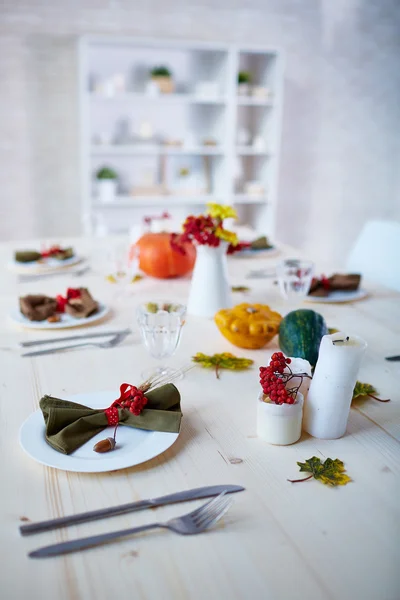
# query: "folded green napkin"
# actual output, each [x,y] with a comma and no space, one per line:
[70,425]
[261,243]
[27,256]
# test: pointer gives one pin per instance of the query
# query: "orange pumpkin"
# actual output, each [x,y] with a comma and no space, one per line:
[157,258]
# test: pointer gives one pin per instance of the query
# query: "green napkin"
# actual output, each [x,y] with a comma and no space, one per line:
[24,256]
[261,243]
[70,425]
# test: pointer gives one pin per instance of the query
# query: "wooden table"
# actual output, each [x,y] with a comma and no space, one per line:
[279,541]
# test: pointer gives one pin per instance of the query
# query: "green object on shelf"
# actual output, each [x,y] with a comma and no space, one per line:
[106,173]
[244,77]
[161,71]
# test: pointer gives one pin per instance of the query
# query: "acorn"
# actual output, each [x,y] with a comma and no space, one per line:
[105,445]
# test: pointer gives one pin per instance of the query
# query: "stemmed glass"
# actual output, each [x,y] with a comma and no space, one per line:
[122,266]
[160,325]
[294,278]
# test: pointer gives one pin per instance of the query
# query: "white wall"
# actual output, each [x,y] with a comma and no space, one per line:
[341,133]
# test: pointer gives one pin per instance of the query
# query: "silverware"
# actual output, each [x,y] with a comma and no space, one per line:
[69,338]
[392,358]
[261,274]
[192,523]
[94,515]
[26,278]
[109,344]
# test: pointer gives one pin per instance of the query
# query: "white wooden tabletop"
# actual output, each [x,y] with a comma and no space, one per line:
[279,541]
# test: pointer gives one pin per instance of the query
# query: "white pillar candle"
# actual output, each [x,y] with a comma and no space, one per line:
[279,424]
[329,398]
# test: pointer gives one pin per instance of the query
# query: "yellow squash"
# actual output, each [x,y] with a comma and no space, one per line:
[248,326]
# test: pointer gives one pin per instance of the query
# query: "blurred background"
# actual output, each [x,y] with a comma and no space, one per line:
[289,109]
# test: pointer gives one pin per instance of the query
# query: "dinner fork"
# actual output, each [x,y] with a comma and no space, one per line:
[108,344]
[194,522]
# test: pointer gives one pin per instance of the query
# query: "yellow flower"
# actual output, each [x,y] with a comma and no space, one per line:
[221,211]
[227,236]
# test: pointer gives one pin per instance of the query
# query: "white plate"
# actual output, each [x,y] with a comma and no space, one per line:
[339,296]
[47,266]
[134,446]
[66,320]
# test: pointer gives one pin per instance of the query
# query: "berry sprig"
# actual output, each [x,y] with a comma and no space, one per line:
[274,380]
[133,399]
[63,300]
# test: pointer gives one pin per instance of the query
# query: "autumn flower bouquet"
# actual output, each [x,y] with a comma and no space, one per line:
[207,229]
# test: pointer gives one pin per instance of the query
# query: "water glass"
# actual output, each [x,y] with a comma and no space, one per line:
[294,277]
[160,325]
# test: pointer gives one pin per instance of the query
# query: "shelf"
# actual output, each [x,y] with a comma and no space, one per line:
[126,201]
[249,151]
[248,199]
[250,101]
[153,149]
[138,97]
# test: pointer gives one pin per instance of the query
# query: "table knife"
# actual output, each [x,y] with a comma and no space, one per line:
[70,338]
[393,358]
[195,494]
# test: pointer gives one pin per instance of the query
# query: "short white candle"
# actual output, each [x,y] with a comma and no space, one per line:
[327,408]
[279,424]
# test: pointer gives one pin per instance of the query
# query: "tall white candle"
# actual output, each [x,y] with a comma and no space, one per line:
[329,398]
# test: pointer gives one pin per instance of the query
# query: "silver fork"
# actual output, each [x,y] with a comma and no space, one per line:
[109,344]
[195,522]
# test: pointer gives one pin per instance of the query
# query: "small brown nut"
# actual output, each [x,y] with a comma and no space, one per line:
[104,445]
[53,319]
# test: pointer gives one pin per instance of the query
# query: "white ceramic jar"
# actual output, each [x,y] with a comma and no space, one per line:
[279,424]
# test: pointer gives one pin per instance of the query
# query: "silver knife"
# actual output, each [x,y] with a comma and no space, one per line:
[195,494]
[70,338]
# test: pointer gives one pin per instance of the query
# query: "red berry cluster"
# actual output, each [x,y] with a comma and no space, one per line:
[136,401]
[238,247]
[62,301]
[273,380]
[51,251]
[199,229]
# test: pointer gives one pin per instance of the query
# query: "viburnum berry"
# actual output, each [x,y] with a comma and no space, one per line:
[273,379]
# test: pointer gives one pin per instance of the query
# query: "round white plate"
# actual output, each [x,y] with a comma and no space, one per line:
[261,252]
[339,296]
[134,446]
[47,266]
[65,322]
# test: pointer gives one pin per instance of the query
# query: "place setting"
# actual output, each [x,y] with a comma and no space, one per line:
[51,259]
[75,307]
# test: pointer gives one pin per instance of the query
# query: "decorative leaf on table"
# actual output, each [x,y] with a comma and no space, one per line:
[111,279]
[226,360]
[240,288]
[333,330]
[136,278]
[366,389]
[331,472]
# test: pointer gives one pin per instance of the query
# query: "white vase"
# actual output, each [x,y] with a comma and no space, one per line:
[107,189]
[210,290]
[279,424]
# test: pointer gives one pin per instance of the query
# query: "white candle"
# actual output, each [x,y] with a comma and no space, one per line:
[329,398]
[279,424]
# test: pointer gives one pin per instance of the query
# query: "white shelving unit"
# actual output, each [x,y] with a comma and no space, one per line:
[202,147]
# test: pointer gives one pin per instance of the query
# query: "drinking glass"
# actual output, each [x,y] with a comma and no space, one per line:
[160,325]
[294,277]
[122,266]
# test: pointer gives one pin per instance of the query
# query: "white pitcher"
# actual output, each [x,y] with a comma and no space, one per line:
[210,290]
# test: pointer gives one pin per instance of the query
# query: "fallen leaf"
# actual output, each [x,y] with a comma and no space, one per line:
[240,288]
[331,472]
[226,360]
[366,389]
